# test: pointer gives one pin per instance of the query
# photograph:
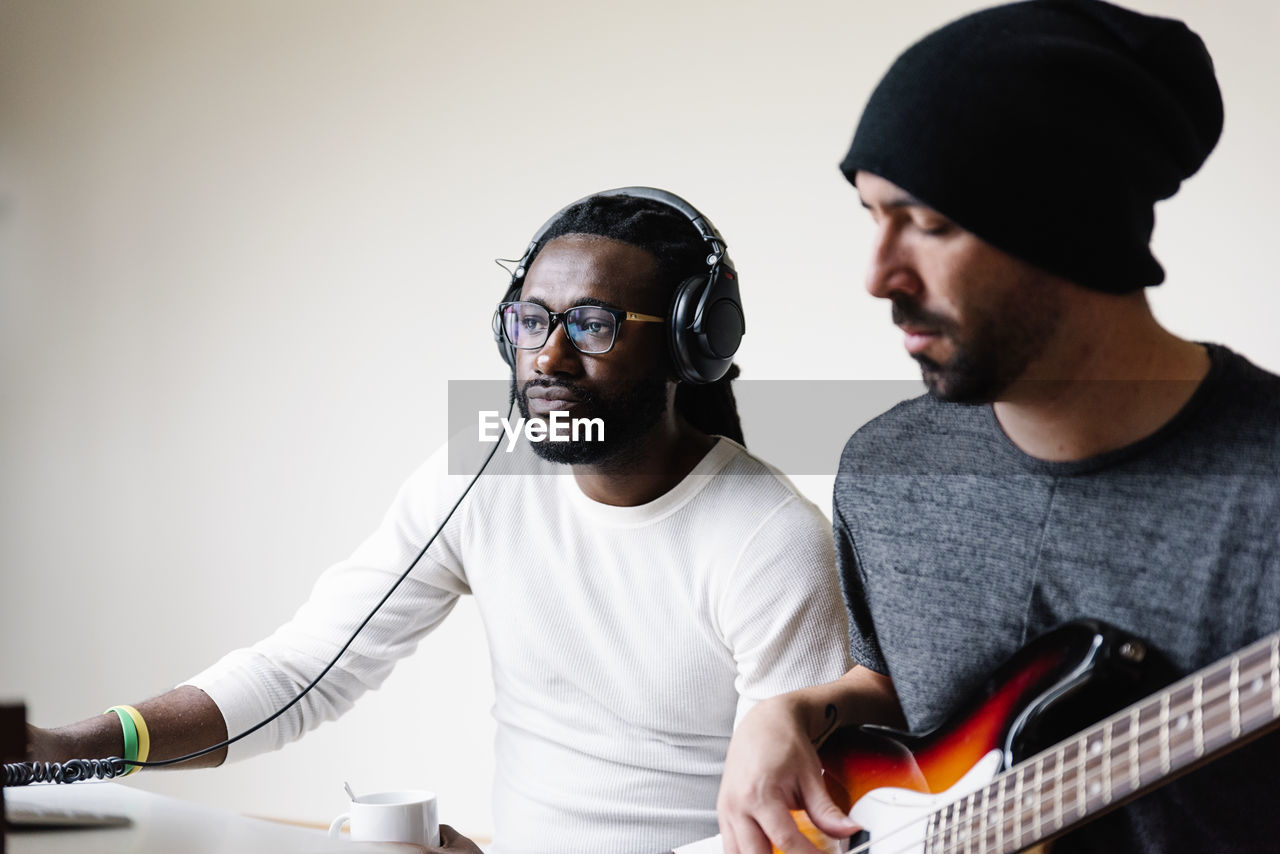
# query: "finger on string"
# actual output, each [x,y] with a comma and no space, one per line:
[822,810]
[781,829]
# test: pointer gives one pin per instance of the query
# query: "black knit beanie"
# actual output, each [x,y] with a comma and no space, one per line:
[1050,129]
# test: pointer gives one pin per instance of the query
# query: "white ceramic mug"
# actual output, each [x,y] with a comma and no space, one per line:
[408,816]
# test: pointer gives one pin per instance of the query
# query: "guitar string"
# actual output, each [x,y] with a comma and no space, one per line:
[1220,724]
[1257,697]
[957,829]
[1093,765]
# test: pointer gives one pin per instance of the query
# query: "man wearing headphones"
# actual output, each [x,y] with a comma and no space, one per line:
[1074,459]
[634,610]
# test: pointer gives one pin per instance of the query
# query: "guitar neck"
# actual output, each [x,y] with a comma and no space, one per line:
[1206,714]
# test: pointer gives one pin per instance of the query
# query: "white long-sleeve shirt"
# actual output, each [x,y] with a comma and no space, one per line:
[625,642]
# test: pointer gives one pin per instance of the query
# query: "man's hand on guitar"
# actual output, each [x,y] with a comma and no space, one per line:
[773,768]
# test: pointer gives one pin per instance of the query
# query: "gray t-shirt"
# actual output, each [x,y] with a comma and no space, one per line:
[955,548]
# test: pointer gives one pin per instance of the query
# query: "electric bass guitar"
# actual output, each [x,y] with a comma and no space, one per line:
[977,785]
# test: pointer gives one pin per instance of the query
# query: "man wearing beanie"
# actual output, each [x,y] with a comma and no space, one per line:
[1073,458]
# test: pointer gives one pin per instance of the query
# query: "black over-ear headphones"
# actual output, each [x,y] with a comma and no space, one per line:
[705,323]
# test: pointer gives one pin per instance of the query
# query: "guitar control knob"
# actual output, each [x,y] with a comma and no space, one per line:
[1133,651]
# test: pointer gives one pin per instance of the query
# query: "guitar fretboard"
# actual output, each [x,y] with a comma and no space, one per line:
[1190,721]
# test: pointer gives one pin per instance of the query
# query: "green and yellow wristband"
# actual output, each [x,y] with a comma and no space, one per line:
[137,740]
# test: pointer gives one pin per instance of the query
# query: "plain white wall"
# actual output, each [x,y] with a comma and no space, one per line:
[244,245]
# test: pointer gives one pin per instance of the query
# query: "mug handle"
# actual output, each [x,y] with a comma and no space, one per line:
[335,829]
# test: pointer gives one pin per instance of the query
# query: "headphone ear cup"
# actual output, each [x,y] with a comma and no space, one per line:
[679,323]
[702,348]
[505,350]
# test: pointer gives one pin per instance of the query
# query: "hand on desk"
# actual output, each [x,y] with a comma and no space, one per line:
[451,840]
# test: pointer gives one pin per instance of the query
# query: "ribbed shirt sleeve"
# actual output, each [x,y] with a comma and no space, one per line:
[250,684]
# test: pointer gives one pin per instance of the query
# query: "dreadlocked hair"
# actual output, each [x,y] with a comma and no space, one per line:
[712,408]
[667,234]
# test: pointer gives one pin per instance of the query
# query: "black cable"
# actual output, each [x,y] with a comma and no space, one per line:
[74,770]
[71,771]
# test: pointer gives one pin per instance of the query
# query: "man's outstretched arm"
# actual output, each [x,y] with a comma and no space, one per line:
[180,721]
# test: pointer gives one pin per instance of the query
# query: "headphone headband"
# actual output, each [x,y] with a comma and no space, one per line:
[703,225]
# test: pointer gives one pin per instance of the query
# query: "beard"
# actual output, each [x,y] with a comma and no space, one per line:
[993,347]
[627,417]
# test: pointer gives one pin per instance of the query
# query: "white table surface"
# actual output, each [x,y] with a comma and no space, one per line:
[163,825]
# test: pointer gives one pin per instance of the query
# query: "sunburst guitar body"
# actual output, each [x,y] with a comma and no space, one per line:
[1020,764]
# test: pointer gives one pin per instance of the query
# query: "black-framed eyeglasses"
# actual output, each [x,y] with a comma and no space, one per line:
[590,328]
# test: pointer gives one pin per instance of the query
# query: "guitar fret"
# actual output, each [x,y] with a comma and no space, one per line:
[1106,764]
[1000,802]
[984,821]
[1135,754]
[1164,733]
[1275,676]
[1117,758]
[1219,714]
[985,831]
[1234,697]
[1057,789]
[1077,770]
[1082,793]
[1197,716]
[1037,786]
[968,823]
[930,826]
[1017,807]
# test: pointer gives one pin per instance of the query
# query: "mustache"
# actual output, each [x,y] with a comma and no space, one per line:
[580,392]
[905,311]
